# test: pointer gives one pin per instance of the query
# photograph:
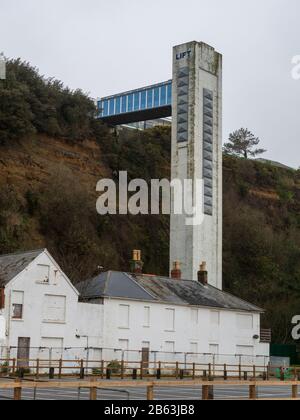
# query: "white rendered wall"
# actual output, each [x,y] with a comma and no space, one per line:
[227,335]
[82,323]
[191,245]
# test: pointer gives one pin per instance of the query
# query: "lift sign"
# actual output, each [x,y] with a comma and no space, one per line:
[186,54]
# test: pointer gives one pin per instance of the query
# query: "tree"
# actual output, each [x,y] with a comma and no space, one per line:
[242,143]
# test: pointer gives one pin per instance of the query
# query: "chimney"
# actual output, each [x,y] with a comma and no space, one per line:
[136,264]
[2,298]
[176,272]
[203,275]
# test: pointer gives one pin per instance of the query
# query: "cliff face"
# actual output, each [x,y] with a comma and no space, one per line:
[48,176]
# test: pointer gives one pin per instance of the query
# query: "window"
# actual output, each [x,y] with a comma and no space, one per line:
[100,108]
[124,103]
[17,311]
[124,316]
[194,316]
[54,308]
[130,103]
[244,350]
[156,97]
[169,94]
[17,304]
[245,322]
[118,105]
[169,347]
[215,318]
[170,319]
[111,107]
[194,348]
[163,95]
[146,323]
[43,273]
[150,98]
[136,101]
[214,349]
[105,108]
[143,99]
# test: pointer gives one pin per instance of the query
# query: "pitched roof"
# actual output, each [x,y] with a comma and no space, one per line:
[161,289]
[13,264]
[113,284]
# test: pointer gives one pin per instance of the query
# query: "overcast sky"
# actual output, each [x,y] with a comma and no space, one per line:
[108,46]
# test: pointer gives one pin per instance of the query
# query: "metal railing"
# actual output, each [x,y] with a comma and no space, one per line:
[206,387]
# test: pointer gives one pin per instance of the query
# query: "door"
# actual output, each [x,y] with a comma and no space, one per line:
[145,355]
[23,352]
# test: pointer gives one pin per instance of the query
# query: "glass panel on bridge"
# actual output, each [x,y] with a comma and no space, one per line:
[138,100]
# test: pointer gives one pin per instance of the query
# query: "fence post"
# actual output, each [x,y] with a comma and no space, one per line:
[81,365]
[282,376]
[254,372]
[205,392]
[51,372]
[18,390]
[252,392]
[268,371]
[225,373]
[295,391]
[14,366]
[150,393]
[122,369]
[194,371]
[37,368]
[102,369]
[60,369]
[240,372]
[93,391]
[141,369]
[177,370]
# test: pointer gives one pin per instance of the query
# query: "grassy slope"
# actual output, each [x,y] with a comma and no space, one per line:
[48,199]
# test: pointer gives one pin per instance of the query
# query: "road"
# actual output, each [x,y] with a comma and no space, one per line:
[166,393]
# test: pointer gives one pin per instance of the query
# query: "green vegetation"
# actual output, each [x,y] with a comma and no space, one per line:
[243,143]
[32,104]
[261,201]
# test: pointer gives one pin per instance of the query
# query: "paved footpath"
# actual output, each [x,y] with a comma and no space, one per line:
[139,393]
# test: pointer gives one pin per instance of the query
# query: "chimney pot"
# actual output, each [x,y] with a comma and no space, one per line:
[176,272]
[203,274]
[136,263]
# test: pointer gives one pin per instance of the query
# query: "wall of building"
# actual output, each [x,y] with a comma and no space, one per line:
[195,330]
[51,315]
[58,326]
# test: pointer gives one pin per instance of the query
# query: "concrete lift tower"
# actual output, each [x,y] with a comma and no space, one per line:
[194,100]
[197,154]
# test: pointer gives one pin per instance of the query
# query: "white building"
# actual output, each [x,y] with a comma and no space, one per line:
[121,315]
[39,309]
[166,317]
